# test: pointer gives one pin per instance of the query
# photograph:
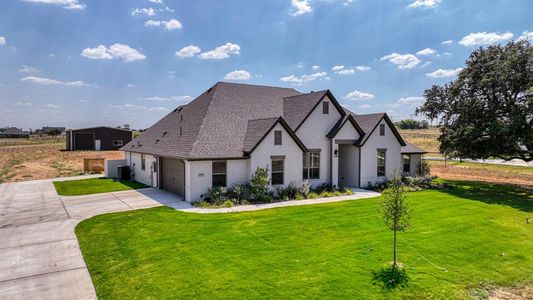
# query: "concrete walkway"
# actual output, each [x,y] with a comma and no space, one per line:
[358,194]
[40,256]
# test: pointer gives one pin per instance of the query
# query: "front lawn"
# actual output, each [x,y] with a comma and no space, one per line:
[94,186]
[476,232]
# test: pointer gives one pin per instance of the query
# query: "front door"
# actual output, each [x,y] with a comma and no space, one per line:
[348,165]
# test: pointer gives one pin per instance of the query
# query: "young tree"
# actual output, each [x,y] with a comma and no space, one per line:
[488,110]
[395,209]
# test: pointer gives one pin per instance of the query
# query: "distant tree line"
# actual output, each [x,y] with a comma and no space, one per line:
[412,124]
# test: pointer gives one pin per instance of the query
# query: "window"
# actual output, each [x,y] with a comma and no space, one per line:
[277,171]
[381,129]
[219,173]
[277,137]
[406,163]
[143,162]
[311,164]
[381,162]
[118,142]
[325,108]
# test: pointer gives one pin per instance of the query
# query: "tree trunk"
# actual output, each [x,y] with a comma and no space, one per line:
[394,263]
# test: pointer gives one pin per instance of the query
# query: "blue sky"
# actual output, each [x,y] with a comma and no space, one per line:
[80,63]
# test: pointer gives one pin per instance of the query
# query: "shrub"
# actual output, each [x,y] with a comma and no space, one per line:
[423,169]
[324,187]
[287,192]
[239,192]
[305,189]
[299,197]
[312,195]
[259,185]
[216,195]
[227,203]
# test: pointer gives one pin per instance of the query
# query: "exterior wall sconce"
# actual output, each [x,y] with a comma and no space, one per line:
[336,153]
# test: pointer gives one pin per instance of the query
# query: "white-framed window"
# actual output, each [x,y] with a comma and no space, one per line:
[143,162]
[219,173]
[118,142]
[406,163]
[381,155]
[382,129]
[311,165]
[325,108]
[277,171]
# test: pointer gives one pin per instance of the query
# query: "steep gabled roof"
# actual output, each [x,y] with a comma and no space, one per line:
[348,117]
[297,108]
[258,129]
[214,124]
[369,123]
[412,149]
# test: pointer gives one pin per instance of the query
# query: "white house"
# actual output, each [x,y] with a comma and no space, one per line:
[222,136]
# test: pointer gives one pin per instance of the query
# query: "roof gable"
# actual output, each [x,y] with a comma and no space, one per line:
[257,130]
[347,118]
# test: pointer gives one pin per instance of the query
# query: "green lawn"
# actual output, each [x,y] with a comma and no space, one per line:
[94,186]
[477,232]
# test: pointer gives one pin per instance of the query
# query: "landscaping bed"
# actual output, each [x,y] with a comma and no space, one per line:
[94,186]
[464,239]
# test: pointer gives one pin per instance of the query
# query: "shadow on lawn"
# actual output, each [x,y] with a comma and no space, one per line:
[499,194]
[389,278]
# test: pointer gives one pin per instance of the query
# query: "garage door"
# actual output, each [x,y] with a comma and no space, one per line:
[83,141]
[173,176]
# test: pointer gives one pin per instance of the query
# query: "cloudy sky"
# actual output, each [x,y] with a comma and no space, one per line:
[82,62]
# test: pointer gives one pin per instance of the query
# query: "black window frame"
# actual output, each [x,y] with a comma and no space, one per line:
[277,180]
[219,179]
[278,140]
[382,129]
[311,165]
[406,162]
[381,169]
[143,162]
[325,108]
[117,144]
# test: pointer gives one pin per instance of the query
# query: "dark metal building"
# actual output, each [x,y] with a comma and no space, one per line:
[97,138]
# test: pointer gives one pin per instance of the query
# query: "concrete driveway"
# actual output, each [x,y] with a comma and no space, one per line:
[40,256]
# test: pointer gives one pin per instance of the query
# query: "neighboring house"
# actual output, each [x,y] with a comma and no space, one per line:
[14,132]
[97,138]
[47,129]
[230,130]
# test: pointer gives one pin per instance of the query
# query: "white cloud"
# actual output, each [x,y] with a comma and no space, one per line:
[28,69]
[67,4]
[21,103]
[131,85]
[144,11]
[238,75]
[412,101]
[53,106]
[2,40]
[304,78]
[171,24]
[526,35]
[362,68]
[364,106]
[443,73]
[48,81]
[346,72]
[221,52]
[156,1]
[300,7]
[188,51]
[170,98]
[315,67]
[485,38]
[337,68]
[424,3]
[448,42]
[115,51]
[403,61]
[136,108]
[446,54]
[358,95]
[427,51]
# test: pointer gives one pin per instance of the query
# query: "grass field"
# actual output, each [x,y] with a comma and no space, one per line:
[28,159]
[423,138]
[94,186]
[465,241]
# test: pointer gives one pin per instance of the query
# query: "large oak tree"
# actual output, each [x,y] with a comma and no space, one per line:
[488,110]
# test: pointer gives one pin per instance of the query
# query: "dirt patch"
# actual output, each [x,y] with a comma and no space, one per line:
[40,161]
[521,176]
[512,293]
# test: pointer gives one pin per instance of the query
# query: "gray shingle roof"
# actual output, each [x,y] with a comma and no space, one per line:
[14,130]
[412,149]
[296,108]
[255,130]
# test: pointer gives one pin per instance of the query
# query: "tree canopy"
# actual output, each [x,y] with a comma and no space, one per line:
[488,110]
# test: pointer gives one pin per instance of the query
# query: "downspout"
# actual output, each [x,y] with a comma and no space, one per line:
[330,161]
[359,177]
